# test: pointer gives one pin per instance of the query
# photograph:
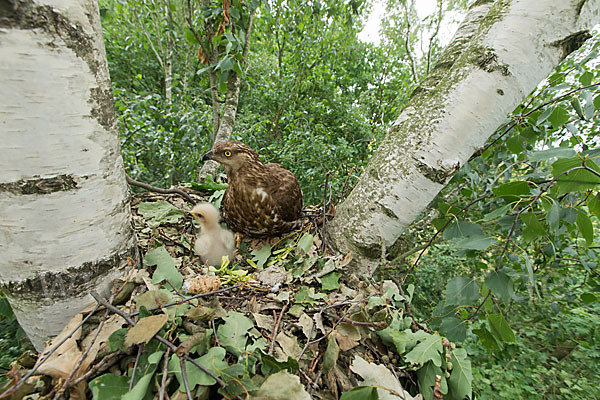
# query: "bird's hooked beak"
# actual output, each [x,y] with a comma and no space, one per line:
[196,216]
[207,156]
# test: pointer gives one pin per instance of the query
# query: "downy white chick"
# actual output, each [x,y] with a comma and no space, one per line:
[212,242]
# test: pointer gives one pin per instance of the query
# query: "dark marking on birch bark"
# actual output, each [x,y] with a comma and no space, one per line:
[580,7]
[571,43]
[480,2]
[26,15]
[436,175]
[62,285]
[387,211]
[487,60]
[103,112]
[37,185]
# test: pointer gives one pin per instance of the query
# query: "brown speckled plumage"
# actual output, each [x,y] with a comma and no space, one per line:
[261,199]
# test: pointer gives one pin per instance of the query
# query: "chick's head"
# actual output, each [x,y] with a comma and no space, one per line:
[206,214]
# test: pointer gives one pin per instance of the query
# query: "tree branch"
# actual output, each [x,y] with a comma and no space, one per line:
[151,188]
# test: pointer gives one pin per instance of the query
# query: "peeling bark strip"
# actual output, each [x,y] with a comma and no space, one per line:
[435,174]
[572,42]
[26,15]
[487,60]
[499,54]
[62,285]
[38,185]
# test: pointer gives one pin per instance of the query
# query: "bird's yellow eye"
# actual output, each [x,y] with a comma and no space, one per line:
[227,153]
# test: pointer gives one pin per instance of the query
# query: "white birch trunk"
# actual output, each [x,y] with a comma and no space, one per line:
[65,223]
[501,52]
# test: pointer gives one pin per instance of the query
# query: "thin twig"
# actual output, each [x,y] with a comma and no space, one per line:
[163,383]
[431,241]
[135,364]
[412,251]
[175,289]
[161,339]
[275,329]
[185,380]
[344,187]
[65,385]
[349,302]
[47,356]
[324,211]
[511,124]
[105,363]
[178,302]
[376,325]
[151,188]
[206,371]
[534,200]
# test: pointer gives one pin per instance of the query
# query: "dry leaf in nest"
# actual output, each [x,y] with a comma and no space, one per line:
[63,360]
[346,259]
[347,336]
[151,299]
[264,321]
[145,329]
[202,284]
[289,346]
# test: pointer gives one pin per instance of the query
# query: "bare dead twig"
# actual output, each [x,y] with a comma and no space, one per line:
[175,289]
[178,302]
[185,380]
[163,383]
[376,325]
[135,364]
[164,341]
[276,328]
[104,364]
[323,240]
[349,302]
[151,188]
[65,385]
[47,356]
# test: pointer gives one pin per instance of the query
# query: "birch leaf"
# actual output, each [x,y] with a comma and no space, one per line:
[145,329]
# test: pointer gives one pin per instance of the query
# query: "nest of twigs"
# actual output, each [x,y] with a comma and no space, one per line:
[283,320]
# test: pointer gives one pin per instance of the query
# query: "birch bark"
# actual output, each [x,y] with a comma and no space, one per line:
[501,52]
[65,221]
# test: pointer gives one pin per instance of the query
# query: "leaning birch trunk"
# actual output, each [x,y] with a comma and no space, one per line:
[65,222]
[500,53]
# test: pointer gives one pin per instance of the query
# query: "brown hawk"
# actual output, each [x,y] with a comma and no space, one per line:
[261,199]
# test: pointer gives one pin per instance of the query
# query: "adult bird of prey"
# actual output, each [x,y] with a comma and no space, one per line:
[212,242]
[261,199]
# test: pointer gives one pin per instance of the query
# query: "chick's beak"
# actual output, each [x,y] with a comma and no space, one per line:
[207,156]
[195,215]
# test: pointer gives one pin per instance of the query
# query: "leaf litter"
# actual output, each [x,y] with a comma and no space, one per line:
[282,320]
